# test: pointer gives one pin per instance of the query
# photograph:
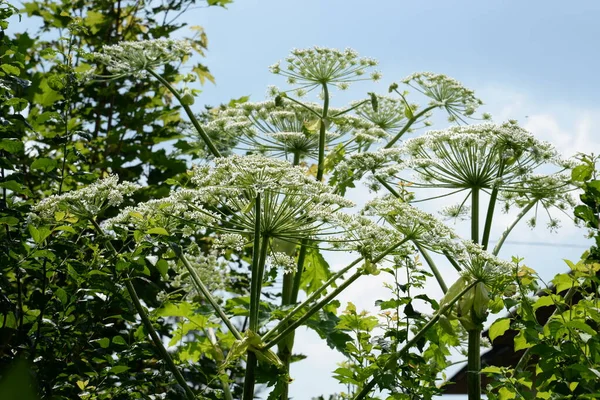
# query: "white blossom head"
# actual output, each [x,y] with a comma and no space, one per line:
[479,265]
[416,225]
[136,58]
[293,204]
[317,66]
[292,131]
[89,201]
[476,156]
[388,115]
[445,92]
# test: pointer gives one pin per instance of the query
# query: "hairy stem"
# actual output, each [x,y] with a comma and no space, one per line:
[407,126]
[147,323]
[189,113]
[490,212]
[259,256]
[391,362]
[475,215]
[474,365]
[322,134]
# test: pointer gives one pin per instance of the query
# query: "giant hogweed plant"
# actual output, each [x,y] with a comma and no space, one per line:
[283,203]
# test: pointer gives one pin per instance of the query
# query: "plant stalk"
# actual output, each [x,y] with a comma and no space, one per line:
[189,113]
[259,256]
[432,266]
[490,212]
[322,134]
[148,324]
[407,126]
[474,365]
[506,232]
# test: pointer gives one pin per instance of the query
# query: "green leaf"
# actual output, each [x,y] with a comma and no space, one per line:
[157,231]
[505,394]
[10,221]
[119,340]
[491,369]
[521,342]
[581,326]
[39,234]
[316,271]
[104,342]
[10,69]
[117,369]
[582,172]
[163,267]
[11,146]
[61,294]
[44,164]
[499,327]
[545,301]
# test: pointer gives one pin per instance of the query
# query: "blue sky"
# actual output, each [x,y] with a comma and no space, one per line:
[534,61]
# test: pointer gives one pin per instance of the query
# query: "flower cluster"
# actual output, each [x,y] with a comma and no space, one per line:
[388,116]
[445,92]
[293,204]
[291,129]
[210,267]
[135,58]
[481,265]
[311,68]
[381,164]
[89,201]
[418,226]
[366,237]
[476,156]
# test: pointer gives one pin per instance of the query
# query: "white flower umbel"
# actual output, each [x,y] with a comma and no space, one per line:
[389,114]
[476,156]
[136,58]
[89,201]
[381,165]
[367,238]
[210,267]
[293,205]
[480,265]
[291,130]
[317,66]
[445,92]
[418,226]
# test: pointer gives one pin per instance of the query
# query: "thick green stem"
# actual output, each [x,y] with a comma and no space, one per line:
[452,261]
[391,362]
[475,215]
[189,113]
[474,345]
[148,324]
[259,257]
[322,134]
[205,292]
[432,266]
[491,206]
[249,378]
[507,231]
[388,187]
[407,126]
[474,365]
